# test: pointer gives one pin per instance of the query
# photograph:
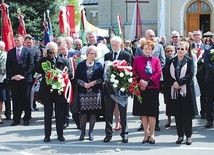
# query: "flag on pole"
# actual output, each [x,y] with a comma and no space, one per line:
[21,28]
[46,30]
[136,31]
[49,24]
[119,26]
[7,32]
[83,27]
[63,24]
[70,14]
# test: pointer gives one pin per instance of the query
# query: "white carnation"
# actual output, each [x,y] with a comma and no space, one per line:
[130,73]
[112,79]
[130,80]
[122,89]
[113,76]
[115,85]
[54,86]
[121,74]
[116,81]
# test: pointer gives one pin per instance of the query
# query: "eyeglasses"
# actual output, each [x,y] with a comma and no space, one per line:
[175,37]
[182,49]
[169,51]
[196,34]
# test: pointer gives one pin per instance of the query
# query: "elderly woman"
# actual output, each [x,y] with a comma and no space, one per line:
[89,77]
[169,51]
[148,70]
[180,102]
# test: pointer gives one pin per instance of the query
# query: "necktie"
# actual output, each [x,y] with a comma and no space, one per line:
[115,55]
[198,46]
[18,52]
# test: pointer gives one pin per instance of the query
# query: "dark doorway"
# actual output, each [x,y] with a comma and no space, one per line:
[205,23]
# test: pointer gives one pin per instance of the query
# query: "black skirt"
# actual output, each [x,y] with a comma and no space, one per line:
[149,105]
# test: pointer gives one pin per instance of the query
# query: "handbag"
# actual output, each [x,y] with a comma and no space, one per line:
[90,101]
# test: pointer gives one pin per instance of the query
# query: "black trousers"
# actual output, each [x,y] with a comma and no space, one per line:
[59,114]
[109,109]
[20,96]
[202,86]
[183,124]
[210,97]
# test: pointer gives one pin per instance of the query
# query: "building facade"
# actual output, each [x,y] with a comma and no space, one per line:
[163,16]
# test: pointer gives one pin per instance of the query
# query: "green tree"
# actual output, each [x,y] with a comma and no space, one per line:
[33,12]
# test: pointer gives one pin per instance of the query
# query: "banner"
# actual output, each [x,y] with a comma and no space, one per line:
[7,32]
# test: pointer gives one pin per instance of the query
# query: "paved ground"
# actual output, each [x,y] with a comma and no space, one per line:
[28,140]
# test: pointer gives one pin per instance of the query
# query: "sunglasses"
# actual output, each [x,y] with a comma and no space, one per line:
[175,37]
[196,34]
[169,51]
[182,49]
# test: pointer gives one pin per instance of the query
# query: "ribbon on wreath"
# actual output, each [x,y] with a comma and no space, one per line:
[68,89]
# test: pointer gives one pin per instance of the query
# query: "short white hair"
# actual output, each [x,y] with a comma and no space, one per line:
[116,39]
[51,45]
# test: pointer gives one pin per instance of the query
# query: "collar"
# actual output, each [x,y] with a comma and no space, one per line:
[19,48]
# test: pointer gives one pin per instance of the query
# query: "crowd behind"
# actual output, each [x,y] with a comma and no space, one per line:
[180,68]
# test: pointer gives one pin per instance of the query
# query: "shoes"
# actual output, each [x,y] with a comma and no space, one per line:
[61,138]
[47,139]
[151,141]
[157,128]
[66,125]
[15,123]
[209,125]
[91,136]
[26,123]
[81,137]
[36,109]
[107,139]
[140,128]
[203,117]
[180,140]
[145,141]
[188,141]
[8,118]
[1,122]
[167,125]
[124,138]
[118,127]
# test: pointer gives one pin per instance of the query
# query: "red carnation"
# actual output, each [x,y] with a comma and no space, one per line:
[55,78]
[137,93]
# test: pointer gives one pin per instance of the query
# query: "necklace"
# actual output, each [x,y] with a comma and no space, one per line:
[90,63]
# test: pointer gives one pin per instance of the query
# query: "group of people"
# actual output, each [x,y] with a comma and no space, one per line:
[181,69]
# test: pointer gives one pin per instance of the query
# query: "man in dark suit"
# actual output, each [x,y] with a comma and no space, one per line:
[201,72]
[116,54]
[50,97]
[209,64]
[19,66]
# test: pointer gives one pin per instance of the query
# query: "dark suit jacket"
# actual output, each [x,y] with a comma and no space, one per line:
[209,64]
[202,73]
[187,103]
[23,67]
[123,56]
[44,90]
[82,75]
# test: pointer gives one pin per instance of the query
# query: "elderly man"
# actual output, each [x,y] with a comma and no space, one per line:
[175,38]
[51,98]
[201,72]
[92,40]
[116,54]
